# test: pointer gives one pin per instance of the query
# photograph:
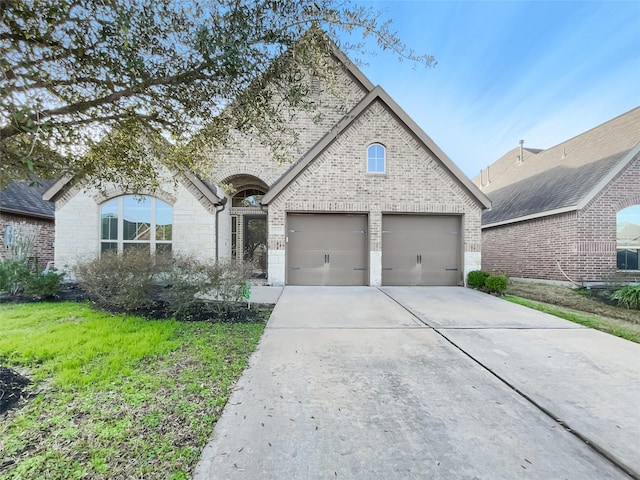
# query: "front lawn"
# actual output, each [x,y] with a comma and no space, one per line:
[117,396]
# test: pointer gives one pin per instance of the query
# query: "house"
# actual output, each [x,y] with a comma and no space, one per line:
[569,213]
[22,203]
[369,200]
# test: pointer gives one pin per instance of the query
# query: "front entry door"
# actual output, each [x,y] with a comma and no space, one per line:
[255,244]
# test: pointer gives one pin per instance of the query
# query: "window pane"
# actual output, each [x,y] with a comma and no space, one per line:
[375,158]
[234,237]
[164,221]
[137,218]
[142,246]
[627,260]
[163,248]
[108,247]
[109,220]
[628,237]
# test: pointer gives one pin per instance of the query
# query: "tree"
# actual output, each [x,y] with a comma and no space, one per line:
[156,72]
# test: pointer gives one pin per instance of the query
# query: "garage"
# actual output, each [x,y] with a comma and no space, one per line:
[327,249]
[421,250]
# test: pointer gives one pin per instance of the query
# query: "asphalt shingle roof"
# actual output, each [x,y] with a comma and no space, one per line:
[559,177]
[19,197]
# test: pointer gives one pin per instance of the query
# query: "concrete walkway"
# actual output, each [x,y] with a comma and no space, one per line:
[351,383]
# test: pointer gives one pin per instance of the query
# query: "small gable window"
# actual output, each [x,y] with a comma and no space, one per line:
[135,221]
[376,158]
[628,237]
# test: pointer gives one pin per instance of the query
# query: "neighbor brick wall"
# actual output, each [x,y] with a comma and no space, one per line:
[597,226]
[532,249]
[44,246]
[584,241]
[337,181]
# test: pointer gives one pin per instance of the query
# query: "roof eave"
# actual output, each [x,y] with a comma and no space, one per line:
[629,157]
[23,213]
[546,213]
[204,189]
[347,120]
[54,190]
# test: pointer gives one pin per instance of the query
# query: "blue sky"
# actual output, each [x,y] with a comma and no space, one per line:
[542,71]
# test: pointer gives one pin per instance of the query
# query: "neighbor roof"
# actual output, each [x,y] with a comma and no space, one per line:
[562,178]
[377,93]
[21,198]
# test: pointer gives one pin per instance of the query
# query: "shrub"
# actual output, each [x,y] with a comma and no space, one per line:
[13,276]
[628,296]
[496,283]
[220,282]
[43,285]
[193,288]
[476,278]
[121,281]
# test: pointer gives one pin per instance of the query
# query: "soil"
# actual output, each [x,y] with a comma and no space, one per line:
[69,292]
[12,388]
[594,300]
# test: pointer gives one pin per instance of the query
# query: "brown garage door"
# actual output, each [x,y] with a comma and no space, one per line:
[420,250]
[327,249]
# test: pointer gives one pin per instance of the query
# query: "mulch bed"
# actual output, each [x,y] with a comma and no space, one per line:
[12,388]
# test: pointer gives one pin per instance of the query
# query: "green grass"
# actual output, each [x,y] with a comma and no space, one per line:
[120,397]
[604,324]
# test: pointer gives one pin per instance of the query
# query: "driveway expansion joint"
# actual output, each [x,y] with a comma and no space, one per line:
[600,450]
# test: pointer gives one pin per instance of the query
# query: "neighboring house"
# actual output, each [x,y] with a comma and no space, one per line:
[369,200]
[568,213]
[22,203]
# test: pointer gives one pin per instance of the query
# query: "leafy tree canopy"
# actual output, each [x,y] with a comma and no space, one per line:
[152,73]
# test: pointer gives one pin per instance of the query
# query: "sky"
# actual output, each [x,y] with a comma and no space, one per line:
[541,71]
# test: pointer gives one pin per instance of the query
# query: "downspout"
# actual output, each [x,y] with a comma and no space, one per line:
[223,204]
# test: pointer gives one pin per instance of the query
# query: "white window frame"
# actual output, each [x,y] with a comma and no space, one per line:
[152,242]
[384,159]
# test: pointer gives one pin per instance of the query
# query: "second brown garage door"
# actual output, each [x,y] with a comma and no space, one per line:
[420,250]
[327,249]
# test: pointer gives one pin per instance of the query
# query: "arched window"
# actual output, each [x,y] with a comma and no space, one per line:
[628,237]
[136,221]
[247,198]
[376,158]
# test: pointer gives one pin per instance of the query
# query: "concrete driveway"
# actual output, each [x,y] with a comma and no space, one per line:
[428,383]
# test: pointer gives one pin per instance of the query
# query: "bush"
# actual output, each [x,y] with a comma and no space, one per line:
[496,283]
[221,282]
[628,296]
[43,285]
[13,276]
[476,278]
[128,281]
[121,281]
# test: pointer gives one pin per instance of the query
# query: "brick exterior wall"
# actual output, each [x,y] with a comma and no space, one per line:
[43,248]
[337,181]
[584,242]
[597,226]
[247,156]
[532,249]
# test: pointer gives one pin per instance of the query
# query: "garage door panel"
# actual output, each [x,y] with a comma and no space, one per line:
[420,250]
[327,249]
[401,276]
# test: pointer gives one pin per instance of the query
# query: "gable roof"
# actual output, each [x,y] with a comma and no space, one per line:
[377,93]
[562,178]
[20,198]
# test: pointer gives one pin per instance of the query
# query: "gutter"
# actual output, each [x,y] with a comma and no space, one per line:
[223,204]
[43,216]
